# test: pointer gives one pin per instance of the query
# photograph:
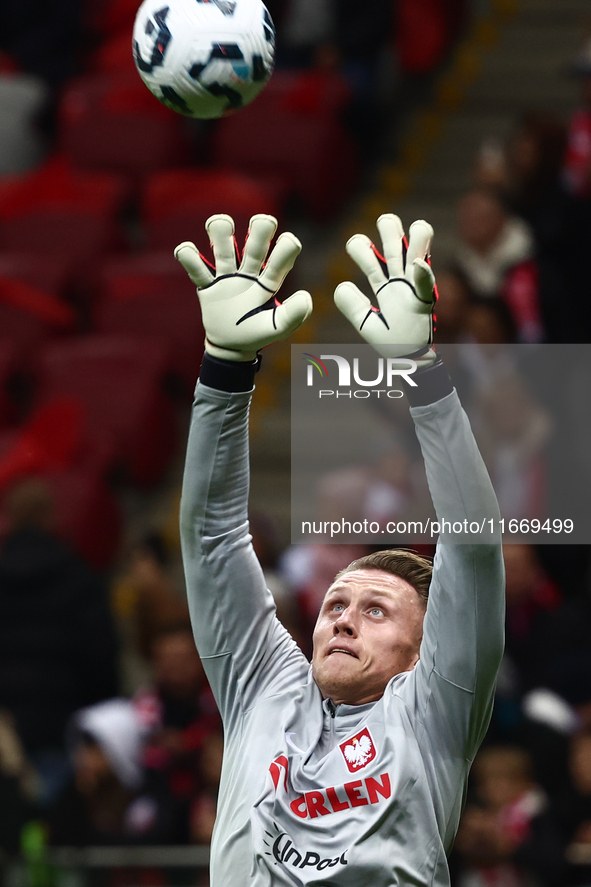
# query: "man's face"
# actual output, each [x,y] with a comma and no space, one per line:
[368,630]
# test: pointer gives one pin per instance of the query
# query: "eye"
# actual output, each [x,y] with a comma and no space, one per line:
[376,611]
[338,608]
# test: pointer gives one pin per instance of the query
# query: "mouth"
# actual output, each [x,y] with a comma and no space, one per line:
[341,650]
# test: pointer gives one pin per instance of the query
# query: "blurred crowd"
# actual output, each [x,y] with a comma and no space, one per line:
[523,231]
[108,730]
[109,733]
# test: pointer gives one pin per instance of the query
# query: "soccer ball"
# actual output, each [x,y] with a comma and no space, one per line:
[204,58]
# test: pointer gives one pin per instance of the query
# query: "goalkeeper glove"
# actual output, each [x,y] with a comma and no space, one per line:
[402,326]
[241,312]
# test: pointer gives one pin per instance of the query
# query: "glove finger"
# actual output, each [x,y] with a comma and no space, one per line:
[360,248]
[281,261]
[424,281]
[392,234]
[260,233]
[220,229]
[420,235]
[189,257]
[352,303]
[293,312]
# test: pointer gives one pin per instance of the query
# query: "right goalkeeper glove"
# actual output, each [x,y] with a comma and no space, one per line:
[402,326]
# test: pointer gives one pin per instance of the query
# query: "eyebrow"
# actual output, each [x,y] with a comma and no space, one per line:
[375,592]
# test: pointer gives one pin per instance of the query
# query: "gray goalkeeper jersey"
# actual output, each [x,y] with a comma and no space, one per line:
[316,794]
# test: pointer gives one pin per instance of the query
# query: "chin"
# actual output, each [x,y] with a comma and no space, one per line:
[338,683]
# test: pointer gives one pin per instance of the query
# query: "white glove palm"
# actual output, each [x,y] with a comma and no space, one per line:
[241,312]
[403,323]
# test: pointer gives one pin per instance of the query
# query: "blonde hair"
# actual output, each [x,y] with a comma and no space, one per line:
[408,565]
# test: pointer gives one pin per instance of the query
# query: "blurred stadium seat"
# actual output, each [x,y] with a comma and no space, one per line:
[63,212]
[177,203]
[293,133]
[87,512]
[8,363]
[151,295]
[50,273]
[53,444]
[114,54]
[109,121]
[119,381]
[30,316]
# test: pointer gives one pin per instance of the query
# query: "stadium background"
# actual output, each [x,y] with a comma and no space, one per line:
[474,114]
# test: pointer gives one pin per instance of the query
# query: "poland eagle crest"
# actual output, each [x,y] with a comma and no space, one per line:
[358,751]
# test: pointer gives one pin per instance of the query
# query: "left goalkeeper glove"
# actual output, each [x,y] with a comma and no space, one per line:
[402,326]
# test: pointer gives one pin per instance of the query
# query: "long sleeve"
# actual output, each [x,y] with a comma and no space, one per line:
[451,689]
[245,650]
[463,635]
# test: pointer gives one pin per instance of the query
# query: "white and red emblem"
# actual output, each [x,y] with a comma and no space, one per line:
[358,751]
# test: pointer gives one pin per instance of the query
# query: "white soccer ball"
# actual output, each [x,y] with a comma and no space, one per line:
[204,58]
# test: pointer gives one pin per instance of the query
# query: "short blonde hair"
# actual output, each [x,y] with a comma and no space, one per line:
[406,564]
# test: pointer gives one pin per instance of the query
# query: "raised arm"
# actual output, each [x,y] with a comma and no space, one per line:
[464,624]
[243,646]
[451,687]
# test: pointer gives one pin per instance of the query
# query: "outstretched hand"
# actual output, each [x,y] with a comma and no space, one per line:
[404,287]
[240,308]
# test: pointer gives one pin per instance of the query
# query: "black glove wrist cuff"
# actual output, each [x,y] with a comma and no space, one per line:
[229,375]
[433,383]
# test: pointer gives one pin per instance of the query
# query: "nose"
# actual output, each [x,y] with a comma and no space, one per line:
[345,624]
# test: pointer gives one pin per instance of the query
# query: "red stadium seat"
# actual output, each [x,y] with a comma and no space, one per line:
[293,132]
[59,211]
[51,440]
[119,381]
[29,316]
[122,276]
[110,121]
[151,295]
[114,54]
[177,203]
[87,513]
[109,17]
[53,445]
[8,364]
[50,273]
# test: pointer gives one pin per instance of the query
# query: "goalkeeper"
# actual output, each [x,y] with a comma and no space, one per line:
[351,771]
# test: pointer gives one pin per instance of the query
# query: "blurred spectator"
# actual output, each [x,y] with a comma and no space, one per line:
[527,168]
[57,642]
[494,253]
[527,171]
[577,162]
[203,809]
[575,809]
[490,241]
[145,601]
[376,491]
[507,836]
[112,799]
[266,546]
[179,710]
[18,786]
[513,433]
[489,322]
[547,638]
[452,307]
